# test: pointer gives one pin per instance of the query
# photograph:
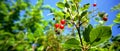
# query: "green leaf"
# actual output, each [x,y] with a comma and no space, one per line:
[116,38]
[39,3]
[59,13]
[101,14]
[117,19]
[67,5]
[97,19]
[87,32]
[118,15]
[67,15]
[83,13]
[60,5]
[73,7]
[72,43]
[116,7]
[99,35]
[76,1]
[85,7]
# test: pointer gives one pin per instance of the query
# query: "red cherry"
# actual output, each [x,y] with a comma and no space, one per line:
[61,26]
[105,18]
[56,25]
[62,21]
[94,5]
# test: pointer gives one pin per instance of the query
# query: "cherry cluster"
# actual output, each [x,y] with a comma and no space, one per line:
[104,18]
[61,25]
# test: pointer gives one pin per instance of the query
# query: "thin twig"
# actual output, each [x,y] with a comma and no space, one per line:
[78,27]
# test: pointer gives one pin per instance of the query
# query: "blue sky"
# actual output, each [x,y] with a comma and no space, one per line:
[102,5]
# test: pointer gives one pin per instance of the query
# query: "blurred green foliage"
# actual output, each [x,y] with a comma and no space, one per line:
[19,33]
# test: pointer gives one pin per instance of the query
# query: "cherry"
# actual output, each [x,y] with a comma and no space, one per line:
[56,25]
[61,26]
[105,18]
[62,21]
[94,5]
